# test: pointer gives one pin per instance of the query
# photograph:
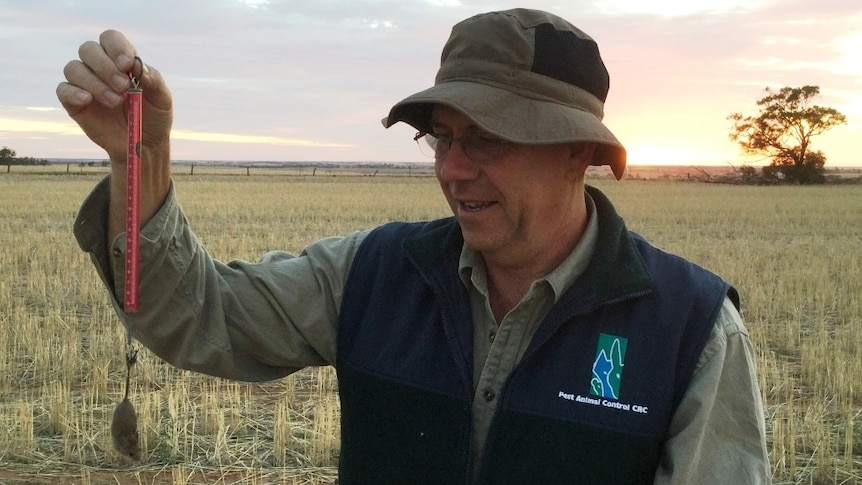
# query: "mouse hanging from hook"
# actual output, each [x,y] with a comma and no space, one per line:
[124,425]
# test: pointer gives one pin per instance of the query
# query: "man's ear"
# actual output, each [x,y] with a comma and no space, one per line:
[581,156]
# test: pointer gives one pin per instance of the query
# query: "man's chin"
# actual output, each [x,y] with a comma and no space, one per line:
[479,242]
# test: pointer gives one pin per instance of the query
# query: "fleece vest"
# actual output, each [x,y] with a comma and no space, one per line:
[590,401]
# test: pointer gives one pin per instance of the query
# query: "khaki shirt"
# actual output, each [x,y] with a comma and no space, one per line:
[264,320]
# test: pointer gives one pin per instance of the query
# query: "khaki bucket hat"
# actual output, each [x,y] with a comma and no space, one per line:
[523,75]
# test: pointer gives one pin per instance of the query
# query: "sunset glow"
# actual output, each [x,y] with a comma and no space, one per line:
[250,139]
[311,81]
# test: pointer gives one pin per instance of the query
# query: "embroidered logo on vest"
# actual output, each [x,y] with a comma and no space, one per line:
[608,366]
[607,376]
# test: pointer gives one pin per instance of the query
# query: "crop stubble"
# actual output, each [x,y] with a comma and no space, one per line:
[793,252]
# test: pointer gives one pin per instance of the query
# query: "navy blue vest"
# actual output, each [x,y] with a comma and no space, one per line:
[591,400]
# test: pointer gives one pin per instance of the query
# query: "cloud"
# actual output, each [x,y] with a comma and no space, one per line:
[675,9]
[251,139]
[38,127]
[275,74]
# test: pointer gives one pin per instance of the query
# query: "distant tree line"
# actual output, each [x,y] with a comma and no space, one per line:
[8,156]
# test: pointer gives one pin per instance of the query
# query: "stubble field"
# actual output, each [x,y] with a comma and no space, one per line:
[793,252]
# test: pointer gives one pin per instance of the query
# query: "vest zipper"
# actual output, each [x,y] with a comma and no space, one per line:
[467,381]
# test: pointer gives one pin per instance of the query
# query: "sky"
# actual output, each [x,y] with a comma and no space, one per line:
[310,80]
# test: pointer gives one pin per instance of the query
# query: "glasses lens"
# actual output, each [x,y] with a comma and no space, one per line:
[432,141]
[479,148]
[484,148]
[427,144]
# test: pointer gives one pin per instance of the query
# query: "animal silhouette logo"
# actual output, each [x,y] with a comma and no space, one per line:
[608,366]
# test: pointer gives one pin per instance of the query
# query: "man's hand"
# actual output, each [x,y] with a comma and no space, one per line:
[94,95]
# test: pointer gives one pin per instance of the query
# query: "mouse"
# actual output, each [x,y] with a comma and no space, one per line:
[124,430]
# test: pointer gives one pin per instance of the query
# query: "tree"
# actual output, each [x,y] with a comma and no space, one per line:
[810,171]
[9,157]
[783,129]
[6,155]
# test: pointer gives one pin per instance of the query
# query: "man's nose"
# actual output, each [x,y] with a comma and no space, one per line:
[455,165]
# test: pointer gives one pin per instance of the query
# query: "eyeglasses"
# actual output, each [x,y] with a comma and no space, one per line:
[478,147]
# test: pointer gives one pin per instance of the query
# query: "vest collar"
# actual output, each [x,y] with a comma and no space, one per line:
[616,270]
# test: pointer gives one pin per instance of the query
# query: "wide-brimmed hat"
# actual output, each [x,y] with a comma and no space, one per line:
[526,76]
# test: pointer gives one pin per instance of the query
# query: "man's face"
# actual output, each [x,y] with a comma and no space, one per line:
[515,206]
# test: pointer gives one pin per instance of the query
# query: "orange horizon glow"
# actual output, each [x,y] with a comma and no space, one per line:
[678,69]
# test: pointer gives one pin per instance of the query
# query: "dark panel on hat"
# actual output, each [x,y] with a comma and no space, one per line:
[569,58]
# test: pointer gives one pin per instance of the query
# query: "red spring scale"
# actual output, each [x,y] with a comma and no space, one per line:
[133,197]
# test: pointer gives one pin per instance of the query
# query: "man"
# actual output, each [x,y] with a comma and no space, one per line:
[529,339]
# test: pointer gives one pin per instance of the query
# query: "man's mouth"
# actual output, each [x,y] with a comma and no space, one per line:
[473,206]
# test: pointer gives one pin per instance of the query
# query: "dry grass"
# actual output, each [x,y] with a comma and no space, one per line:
[793,252]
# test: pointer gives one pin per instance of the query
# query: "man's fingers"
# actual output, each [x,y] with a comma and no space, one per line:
[111,60]
[73,98]
[104,65]
[118,48]
[104,68]
[96,87]
[87,78]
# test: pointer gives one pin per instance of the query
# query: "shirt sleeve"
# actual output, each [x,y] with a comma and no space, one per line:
[717,435]
[238,320]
